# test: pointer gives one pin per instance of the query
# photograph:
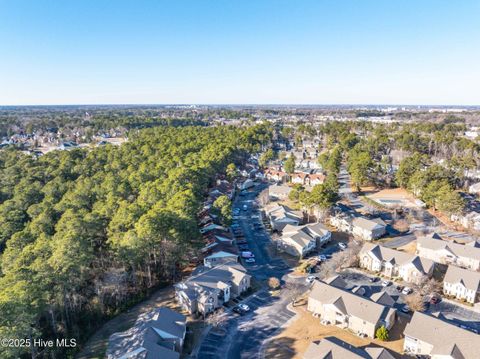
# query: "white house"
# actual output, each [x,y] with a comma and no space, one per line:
[279,216]
[432,337]
[368,229]
[447,252]
[218,258]
[462,284]
[393,263]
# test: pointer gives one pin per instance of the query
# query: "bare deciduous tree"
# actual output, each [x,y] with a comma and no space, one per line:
[415,302]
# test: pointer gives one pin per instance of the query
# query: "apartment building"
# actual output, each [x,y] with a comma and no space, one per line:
[392,263]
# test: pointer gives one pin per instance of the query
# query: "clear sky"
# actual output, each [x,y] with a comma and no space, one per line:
[240,51]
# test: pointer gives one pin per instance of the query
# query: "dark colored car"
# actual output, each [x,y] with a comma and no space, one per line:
[238,310]
[374,279]
[434,300]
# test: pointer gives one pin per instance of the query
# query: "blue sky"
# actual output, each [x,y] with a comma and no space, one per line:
[240,51]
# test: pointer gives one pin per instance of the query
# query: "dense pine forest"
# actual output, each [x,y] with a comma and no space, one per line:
[84,233]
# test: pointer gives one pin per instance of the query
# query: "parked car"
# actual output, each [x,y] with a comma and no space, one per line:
[342,246]
[245,207]
[386,283]
[322,258]
[247,254]
[243,247]
[399,287]
[407,290]
[244,307]
[406,309]
[374,279]
[310,279]
[238,310]
[434,299]
[250,260]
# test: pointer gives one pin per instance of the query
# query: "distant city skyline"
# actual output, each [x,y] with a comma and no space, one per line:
[245,52]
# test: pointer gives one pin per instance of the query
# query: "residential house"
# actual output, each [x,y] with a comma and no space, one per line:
[342,308]
[392,263]
[208,288]
[334,348]
[218,258]
[157,334]
[319,232]
[462,284]
[275,175]
[433,337]
[212,227]
[279,192]
[447,252]
[336,281]
[368,229]
[279,216]
[301,178]
[316,178]
[301,240]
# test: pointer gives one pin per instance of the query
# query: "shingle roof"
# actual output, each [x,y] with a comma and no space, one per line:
[367,224]
[354,305]
[470,279]
[397,257]
[445,338]
[151,337]
[334,348]
[459,250]
[329,349]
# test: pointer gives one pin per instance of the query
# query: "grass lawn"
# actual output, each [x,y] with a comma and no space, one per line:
[293,341]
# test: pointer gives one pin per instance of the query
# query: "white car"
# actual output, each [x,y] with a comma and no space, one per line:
[247,254]
[386,283]
[244,307]
[250,260]
[322,258]
[407,290]
[310,279]
[342,246]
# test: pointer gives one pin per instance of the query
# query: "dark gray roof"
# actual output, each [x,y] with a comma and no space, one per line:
[153,336]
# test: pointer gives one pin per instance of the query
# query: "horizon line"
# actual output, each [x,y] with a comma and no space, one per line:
[240,104]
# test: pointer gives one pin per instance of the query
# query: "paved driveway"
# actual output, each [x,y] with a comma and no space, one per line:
[243,336]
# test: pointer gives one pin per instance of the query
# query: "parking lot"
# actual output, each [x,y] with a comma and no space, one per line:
[456,314]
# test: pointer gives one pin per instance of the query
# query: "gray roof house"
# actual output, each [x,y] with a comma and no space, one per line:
[279,191]
[393,263]
[342,308]
[157,334]
[220,257]
[208,288]
[448,252]
[334,348]
[430,336]
[462,284]
[368,229]
[279,216]
[300,240]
